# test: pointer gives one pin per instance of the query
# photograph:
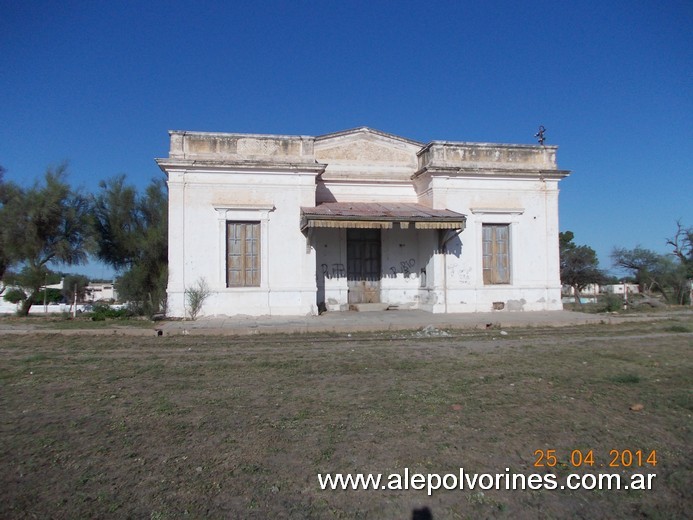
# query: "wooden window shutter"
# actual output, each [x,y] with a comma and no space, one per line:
[243,254]
[496,253]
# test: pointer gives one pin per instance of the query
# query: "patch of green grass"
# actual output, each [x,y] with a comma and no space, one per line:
[683,398]
[36,358]
[678,328]
[151,369]
[165,407]
[625,379]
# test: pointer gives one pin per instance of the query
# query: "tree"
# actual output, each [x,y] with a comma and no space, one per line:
[132,236]
[673,280]
[51,296]
[579,264]
[643,264]
[682,244]
[4,262]
[74,283]
[8,191]
[14,295]
[653,272]
[47,223]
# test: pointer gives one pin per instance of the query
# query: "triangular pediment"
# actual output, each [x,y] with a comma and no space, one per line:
[364,130]
[365,146]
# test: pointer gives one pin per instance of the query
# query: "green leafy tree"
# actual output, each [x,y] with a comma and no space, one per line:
[643,264]
[74,283]
[673,277]
[132,236]
[8,192]
[14,295]
[51,296]
[654,273]
[47,223]
[579,264]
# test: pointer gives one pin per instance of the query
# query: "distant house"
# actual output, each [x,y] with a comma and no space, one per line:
[288,224]
[58,286]
[97,291]
[592,289]
[588,294]
[622,288]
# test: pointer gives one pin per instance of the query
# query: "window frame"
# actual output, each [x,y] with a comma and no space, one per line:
[242,213]
[249,238]
[499,272]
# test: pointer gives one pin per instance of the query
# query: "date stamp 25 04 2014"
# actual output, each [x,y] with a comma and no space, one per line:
[585,458]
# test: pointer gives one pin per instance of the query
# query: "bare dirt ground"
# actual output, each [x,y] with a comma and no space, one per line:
[223,427]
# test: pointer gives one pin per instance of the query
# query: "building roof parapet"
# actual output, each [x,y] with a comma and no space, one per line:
[245,147]
[487,157]
[286,153]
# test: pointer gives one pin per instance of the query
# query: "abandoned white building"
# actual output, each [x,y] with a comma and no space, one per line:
[288,225]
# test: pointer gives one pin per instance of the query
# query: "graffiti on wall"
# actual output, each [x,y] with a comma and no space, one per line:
[405,267]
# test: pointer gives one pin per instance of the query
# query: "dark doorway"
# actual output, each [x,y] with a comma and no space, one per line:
[363,265]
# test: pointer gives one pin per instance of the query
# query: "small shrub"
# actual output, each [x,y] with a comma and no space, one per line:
[103,311]
[612,303]
[14,295]
[195,297]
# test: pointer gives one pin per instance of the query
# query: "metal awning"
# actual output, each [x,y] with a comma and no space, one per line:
[379,215]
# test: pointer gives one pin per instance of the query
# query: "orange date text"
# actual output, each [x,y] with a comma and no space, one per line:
[585,458]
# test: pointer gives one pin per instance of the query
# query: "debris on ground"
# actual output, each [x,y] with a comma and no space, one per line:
[430,331]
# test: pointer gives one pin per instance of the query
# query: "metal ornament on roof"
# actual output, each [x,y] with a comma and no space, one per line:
[540,135]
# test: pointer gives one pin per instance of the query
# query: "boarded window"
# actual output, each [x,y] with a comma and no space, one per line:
[496,253]
[243,254]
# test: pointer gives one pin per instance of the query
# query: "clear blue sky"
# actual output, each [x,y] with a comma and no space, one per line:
[99,84]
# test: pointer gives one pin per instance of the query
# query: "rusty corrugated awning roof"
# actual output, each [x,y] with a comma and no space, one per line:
[379,215]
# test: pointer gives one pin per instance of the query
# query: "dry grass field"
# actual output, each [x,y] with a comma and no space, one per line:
[222,427]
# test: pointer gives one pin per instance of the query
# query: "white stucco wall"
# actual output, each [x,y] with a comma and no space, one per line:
[528,202]
[209,200]
[209,188]
[215,178]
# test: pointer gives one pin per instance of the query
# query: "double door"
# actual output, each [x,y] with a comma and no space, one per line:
[363,265]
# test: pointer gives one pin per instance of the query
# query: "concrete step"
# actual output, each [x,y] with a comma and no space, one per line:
[368,307]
